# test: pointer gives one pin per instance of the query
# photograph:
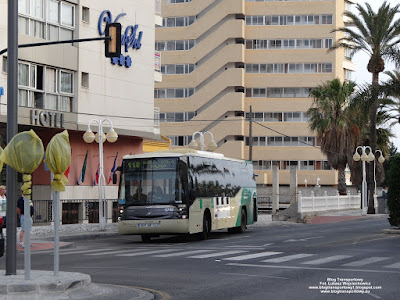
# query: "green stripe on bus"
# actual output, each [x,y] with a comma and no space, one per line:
[201,203]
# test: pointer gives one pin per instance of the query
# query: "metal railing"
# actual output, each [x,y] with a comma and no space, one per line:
[75,211]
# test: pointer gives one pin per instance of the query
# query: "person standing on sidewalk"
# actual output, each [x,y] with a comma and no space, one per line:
[3,204]
[20,211]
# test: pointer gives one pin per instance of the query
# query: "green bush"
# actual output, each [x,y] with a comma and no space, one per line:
[394,191]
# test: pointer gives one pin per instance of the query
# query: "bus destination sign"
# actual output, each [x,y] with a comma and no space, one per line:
[150,164]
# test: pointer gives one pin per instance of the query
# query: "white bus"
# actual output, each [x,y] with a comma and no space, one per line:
[185,192]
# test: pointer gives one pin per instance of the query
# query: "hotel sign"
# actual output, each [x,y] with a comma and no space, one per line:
[47,118]
[131,38]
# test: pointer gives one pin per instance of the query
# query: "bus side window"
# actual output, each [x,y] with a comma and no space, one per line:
[227,200]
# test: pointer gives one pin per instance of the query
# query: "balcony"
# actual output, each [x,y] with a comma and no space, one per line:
[157,66]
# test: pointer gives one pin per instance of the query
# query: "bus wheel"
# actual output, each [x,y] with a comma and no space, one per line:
[243,224]
[206,228]
[146,238]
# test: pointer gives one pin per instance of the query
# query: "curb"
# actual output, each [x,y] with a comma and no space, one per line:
[391,231]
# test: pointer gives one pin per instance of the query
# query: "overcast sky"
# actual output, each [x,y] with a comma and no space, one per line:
[361,60]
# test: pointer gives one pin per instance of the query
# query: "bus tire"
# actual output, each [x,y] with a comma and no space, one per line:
[206,228]
[243,222]
[146,238]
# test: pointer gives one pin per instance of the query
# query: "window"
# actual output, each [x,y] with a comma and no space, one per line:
[85,14]
[4,68]
[85,80]
[56,24]
[66,82]
[38,87]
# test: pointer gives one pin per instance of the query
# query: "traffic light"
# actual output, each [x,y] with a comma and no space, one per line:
[113,45]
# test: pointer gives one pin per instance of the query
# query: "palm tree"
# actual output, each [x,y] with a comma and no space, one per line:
[378,34]
[331,119]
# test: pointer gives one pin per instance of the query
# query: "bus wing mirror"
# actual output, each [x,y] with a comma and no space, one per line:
[114,178]
[192,195]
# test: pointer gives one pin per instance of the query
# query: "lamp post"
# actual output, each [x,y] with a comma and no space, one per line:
[211,146]
[381,160]
[364,157]
[100,138]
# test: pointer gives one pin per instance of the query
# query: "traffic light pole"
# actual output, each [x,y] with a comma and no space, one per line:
[12,129]
[104,38]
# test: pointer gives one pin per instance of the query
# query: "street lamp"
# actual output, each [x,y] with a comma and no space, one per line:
[100,138]
[364,157]
[381,160]
[211,146]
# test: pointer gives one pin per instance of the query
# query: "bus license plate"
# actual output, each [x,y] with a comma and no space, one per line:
[149,225]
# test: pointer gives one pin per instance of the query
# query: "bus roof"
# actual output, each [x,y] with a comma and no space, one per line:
[181,152]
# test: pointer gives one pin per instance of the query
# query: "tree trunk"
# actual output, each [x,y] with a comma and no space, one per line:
[342,187]
[372,141]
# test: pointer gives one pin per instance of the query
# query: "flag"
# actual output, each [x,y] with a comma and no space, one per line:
[96,179]
[82,176]
[66,173]
[113,169]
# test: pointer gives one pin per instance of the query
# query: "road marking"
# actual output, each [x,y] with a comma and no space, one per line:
[116,252]
[251,275]
[310,268]
[396,265]
[217,254]
[287,258]
[148,252]
[83,251]
[254,255]
[365,261]
[304,239]
[241,246]
[182,253]
[325,260]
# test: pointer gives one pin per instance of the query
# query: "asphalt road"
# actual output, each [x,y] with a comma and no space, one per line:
[290,261]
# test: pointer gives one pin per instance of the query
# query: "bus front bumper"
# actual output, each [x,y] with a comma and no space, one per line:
[169,226]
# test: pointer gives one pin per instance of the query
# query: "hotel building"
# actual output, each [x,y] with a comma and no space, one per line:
[66,86]
[222,57]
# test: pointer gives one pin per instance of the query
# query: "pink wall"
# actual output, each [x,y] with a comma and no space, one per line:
[124,145]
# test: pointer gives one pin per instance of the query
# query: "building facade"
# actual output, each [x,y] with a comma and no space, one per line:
[222,57]
[66,86]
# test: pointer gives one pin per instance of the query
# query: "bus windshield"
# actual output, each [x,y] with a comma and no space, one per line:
[152,181]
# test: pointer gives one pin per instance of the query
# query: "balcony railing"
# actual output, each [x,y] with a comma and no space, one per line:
[158,7]
[157,61]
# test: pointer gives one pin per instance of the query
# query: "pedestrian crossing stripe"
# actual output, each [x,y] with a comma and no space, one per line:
[287,258]
[366,261]
[148,252]
[251,256]
[218,254]
[326,260]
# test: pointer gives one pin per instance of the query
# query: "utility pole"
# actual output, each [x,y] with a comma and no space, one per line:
[251,136]
[12,130]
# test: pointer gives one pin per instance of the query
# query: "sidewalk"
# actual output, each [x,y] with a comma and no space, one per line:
[339,216]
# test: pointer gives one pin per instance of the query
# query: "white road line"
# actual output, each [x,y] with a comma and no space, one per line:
[326,260]
[182,253]
[83,251]
[251,275]
[242,246]
[366,261]
[148,252]
[218,254]
[287,258]
[311,268]
[250,256]
[116,252]
[393,266]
